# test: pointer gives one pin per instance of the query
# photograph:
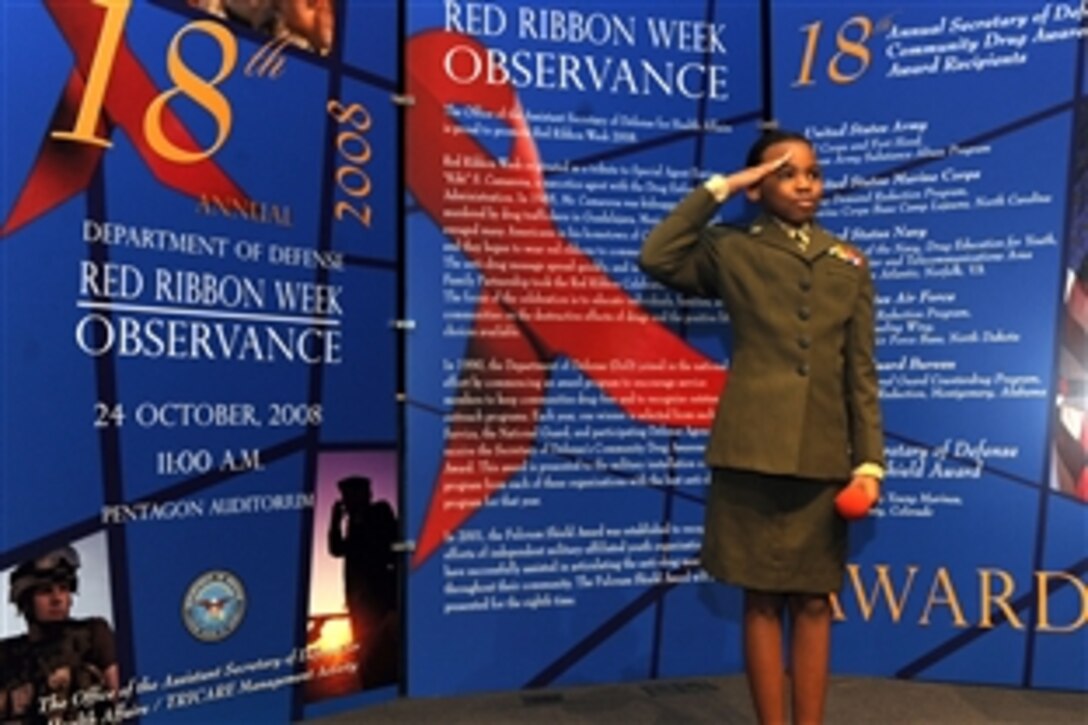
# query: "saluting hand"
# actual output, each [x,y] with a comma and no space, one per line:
[754,174]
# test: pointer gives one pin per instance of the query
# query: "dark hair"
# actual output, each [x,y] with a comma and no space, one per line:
[353,484]
[769,138]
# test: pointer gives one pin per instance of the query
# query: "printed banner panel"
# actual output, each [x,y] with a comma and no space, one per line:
[199,264]
[963,193]
[558,399]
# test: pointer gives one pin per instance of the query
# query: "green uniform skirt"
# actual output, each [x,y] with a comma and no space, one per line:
[774,533]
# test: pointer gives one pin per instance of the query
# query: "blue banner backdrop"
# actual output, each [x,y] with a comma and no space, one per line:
[200,269]
[203,232]
[555,484]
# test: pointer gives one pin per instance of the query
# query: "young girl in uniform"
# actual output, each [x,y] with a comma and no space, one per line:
[799,420]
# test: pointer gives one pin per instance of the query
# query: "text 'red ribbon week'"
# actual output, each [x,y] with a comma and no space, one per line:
[512,325]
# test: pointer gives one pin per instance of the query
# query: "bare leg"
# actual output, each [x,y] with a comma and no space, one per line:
[763,655]
[810,648]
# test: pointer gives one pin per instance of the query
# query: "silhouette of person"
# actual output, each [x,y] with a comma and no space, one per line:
[370,574]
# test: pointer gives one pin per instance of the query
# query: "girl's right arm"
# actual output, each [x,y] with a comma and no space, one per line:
[680,252]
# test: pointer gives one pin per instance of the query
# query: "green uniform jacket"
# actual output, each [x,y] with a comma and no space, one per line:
[801,398]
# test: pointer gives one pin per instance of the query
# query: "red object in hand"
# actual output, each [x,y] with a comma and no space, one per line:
[853,502]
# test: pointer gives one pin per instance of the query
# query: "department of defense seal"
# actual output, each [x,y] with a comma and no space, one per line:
[214,606]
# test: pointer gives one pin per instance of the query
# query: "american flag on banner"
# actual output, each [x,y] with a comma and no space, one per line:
[1071,431]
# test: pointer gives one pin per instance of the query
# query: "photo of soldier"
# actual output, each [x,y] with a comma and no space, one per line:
[306,24]
[353,640]
[362,532]
[63,668]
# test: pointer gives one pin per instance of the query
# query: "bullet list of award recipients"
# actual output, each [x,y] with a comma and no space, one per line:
[931,289]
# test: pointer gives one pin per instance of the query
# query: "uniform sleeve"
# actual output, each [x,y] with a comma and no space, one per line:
[103,648]
[680,252]
[862,385]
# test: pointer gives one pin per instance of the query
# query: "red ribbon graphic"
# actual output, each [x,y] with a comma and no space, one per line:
[491,436]
[64,169]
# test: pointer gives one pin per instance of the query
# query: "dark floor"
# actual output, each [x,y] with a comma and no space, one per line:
[725,700]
